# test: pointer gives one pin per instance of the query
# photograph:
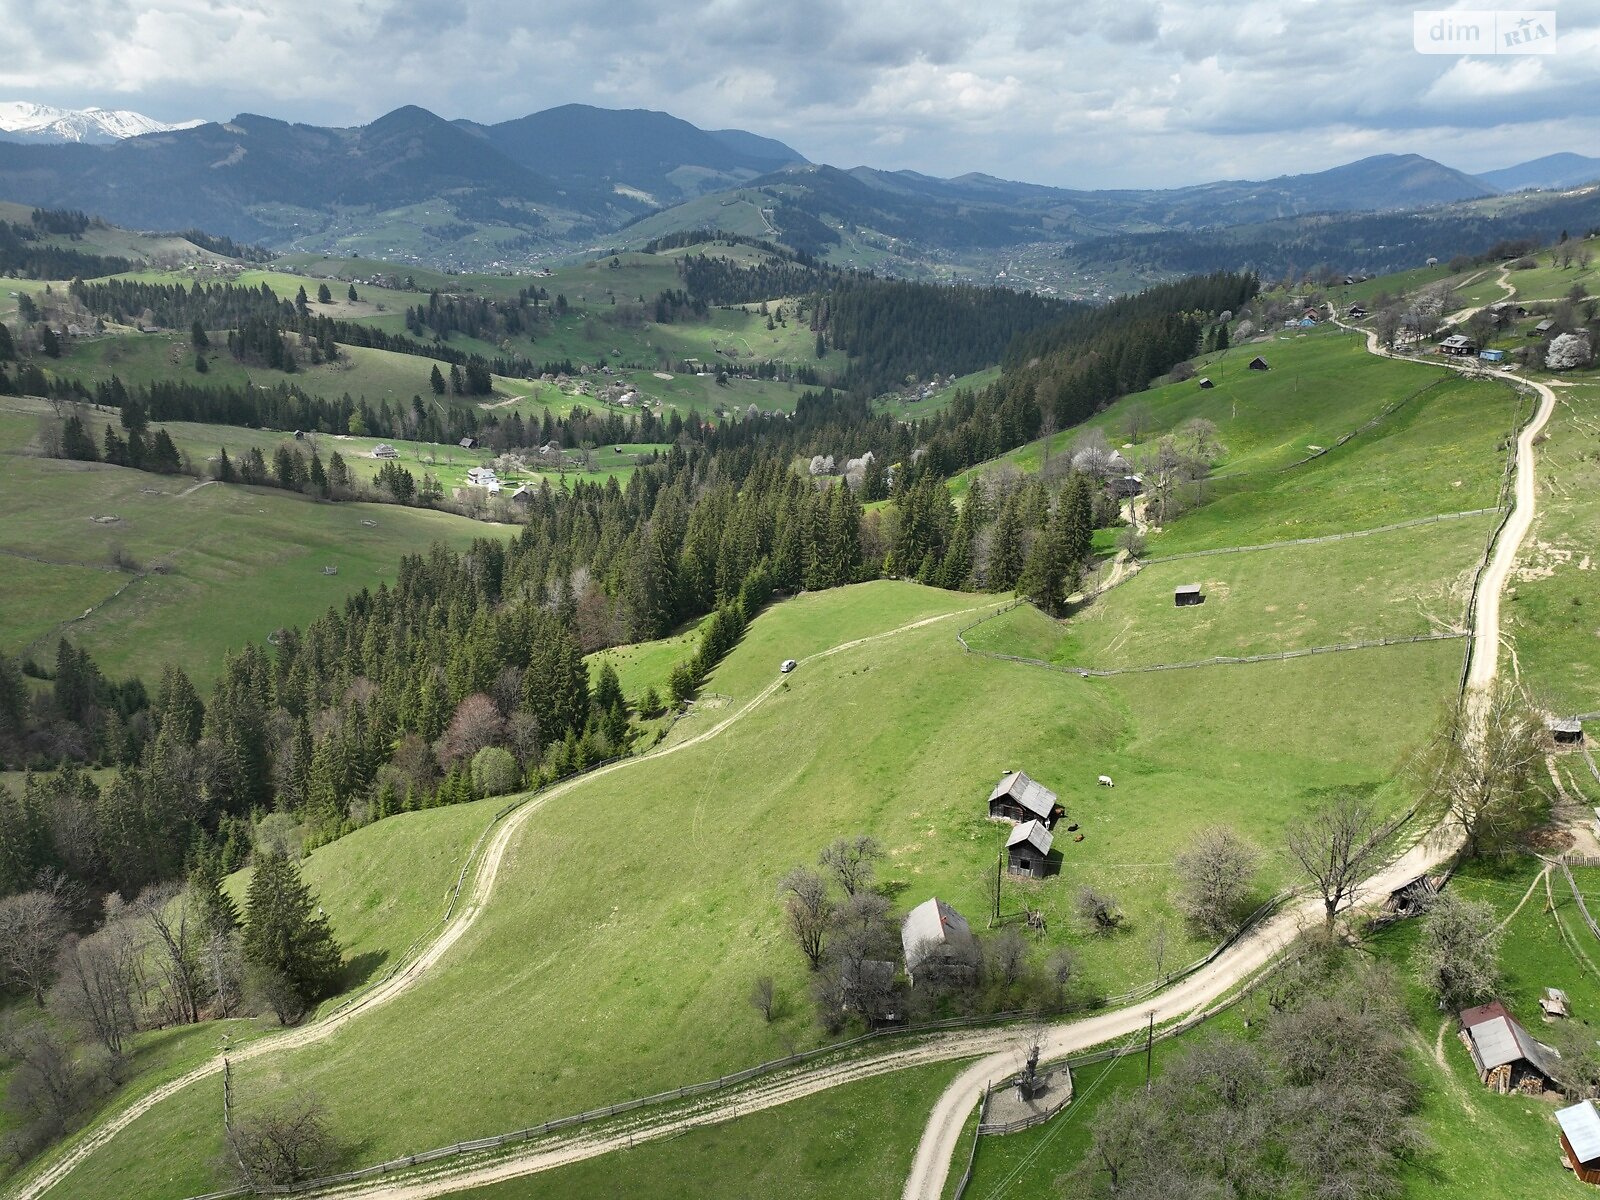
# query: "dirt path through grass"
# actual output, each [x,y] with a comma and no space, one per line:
[463,918]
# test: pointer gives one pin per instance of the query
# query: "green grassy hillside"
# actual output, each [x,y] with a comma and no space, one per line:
[1554,609]
[1401,584]
[902,738]
[213,567]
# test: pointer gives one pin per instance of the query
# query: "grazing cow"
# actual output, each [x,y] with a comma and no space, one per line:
[1105,781]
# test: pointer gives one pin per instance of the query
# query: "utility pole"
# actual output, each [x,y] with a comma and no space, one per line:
[1149,1045]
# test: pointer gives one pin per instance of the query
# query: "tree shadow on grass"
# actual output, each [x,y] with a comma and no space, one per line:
[361,968]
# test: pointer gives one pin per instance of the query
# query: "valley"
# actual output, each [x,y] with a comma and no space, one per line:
[710,561]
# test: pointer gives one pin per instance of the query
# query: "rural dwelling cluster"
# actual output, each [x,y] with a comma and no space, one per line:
[1033,809]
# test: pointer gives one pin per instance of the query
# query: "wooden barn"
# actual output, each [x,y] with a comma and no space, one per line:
[1017,799]
[1028,850]
[1506,1056]
[1186,594]
[1259,364]
[1205,382]
[1458,344]
[1580,1139]
[938,944]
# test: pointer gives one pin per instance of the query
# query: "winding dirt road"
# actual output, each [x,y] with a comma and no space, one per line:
[930,1166]
[464,916]
[1240,962]
[1002,1048]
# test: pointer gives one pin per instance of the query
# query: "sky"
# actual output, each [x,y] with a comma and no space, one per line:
[1075,93]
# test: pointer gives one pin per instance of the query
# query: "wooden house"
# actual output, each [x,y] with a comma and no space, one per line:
[1259,364]
[1458,344]
[938,944]
[1580,1139]
[1018,799]
[1186,594]
[1542,328]
[1506,1056]
[1125,487]
[1028,850]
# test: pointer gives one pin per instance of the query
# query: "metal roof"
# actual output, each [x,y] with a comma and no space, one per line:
[1186,589]
[1029,793]
[1564,725]
[931,926]
[1581,1124]
[1500,1040]
[1032,832]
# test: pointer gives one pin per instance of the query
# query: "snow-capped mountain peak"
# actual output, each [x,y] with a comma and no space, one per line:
[21,120]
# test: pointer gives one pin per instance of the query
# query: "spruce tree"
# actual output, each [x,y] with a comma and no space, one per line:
[218,913]
[286,935]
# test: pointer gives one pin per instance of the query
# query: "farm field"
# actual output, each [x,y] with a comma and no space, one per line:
[1443,452]
[642,665]
[243,562]
[1403,583]
[200,443]
[143,358]
[686,912]
[1553,612]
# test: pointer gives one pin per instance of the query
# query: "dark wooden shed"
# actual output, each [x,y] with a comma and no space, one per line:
[1018,799]
[1565,731]
[1028,850]
[1259,364]
[1206,383]
[1186,594]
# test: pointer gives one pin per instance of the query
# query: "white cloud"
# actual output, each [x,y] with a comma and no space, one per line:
[1102,92]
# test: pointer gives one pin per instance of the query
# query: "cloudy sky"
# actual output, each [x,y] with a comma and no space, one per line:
[1096,93]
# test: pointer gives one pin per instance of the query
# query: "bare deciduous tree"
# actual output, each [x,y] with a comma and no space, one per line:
[98,983]
[1458,956]
[286,1143]
[1334,845]
[1098,910]
[852,861]
[32,925]
[805,899]
[1214,878]
[764,997]
[1006,956]
[1483,767]
[165,911]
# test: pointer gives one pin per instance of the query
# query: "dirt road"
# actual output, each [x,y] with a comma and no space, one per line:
[932,1163]
[462,918]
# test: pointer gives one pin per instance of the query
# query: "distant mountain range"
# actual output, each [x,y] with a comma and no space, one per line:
[413,186]
[1551,171]
[21,121]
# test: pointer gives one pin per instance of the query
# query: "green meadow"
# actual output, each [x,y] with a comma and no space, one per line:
[1552,608]
[207,569]
[901,737]
[1403,583]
